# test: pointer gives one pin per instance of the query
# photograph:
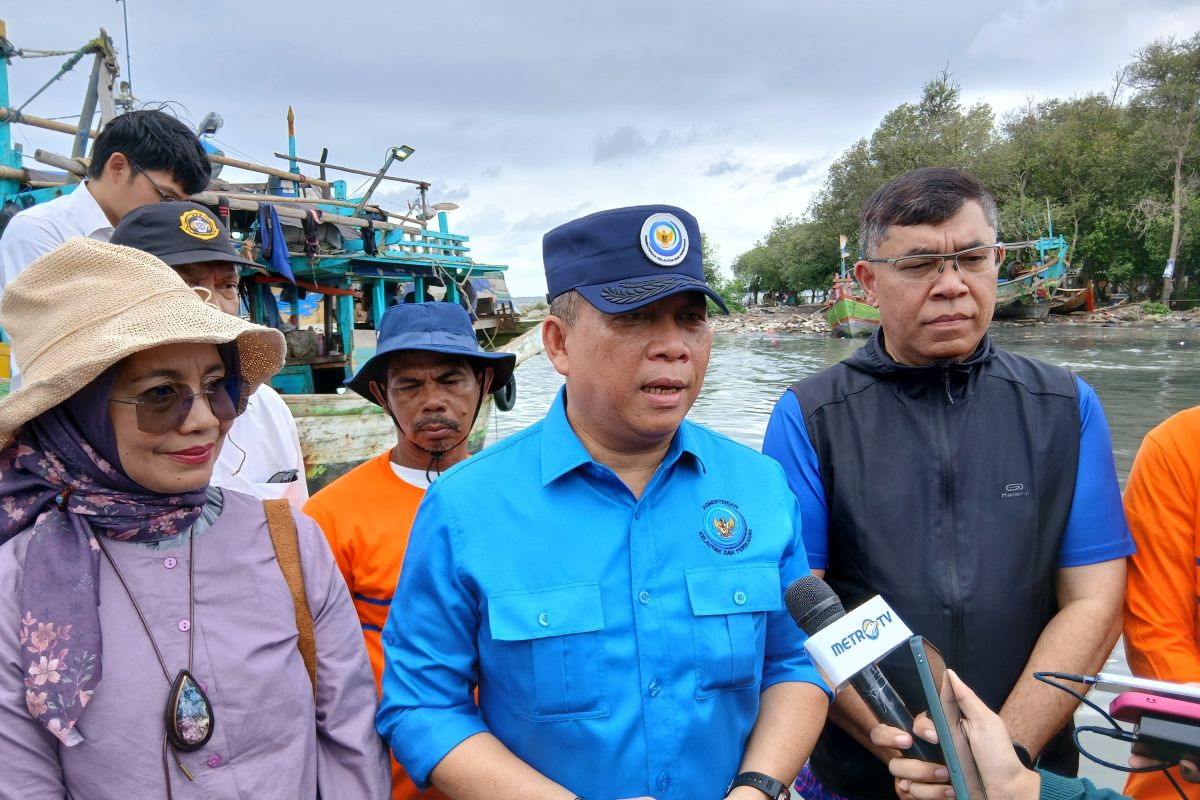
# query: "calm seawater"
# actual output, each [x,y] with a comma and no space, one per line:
[1142,376]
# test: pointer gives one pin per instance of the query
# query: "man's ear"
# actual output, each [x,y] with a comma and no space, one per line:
[486,380]
[117,167]
[864,273]
[378,394]
[554,340]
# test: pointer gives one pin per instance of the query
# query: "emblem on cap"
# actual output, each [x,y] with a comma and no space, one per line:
[198,225]
[664,239]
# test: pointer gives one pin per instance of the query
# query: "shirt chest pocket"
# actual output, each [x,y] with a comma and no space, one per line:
[729,610]
[548,646]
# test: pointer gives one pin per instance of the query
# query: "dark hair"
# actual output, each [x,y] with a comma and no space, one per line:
[923,196]
[154,141]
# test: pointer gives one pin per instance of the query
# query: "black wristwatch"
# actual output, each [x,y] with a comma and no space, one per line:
[776,790]
[1023,755]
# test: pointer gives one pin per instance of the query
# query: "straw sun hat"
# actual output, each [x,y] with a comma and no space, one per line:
[83,307]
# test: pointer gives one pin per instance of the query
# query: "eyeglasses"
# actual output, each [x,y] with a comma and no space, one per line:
[166,407]
[164,196]
[974,261]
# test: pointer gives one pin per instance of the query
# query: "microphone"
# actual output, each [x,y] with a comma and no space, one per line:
[813,605]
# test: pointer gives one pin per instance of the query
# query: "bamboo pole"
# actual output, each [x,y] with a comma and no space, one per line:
[314,201]
[9,115]
[239,203]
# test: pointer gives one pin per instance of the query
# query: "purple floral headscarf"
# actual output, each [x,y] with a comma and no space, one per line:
[61,478]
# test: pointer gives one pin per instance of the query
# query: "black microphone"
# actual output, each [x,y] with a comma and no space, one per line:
[813,605]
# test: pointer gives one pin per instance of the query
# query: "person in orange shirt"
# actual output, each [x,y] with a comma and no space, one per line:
[1162,618]
[430,376]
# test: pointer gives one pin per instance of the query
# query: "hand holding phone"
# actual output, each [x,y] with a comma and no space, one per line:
[948,722]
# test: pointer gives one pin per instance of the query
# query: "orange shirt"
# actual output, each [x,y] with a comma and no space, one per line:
[1162,617]
[366,515]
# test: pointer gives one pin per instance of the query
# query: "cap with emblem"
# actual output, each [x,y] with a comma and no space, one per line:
[178,233]
[625,258]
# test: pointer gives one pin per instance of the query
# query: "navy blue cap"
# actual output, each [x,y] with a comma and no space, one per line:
[434,328]
[178,233]
[625,258]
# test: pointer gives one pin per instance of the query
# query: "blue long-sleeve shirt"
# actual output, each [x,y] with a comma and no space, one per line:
[619,645]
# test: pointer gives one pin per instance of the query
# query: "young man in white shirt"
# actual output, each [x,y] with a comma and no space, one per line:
[140,157]
[261,455]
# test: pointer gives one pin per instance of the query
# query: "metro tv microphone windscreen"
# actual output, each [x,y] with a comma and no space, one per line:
[812,603]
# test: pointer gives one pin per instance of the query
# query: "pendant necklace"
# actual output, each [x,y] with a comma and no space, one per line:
[189,714]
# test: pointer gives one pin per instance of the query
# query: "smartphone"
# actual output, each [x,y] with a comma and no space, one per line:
[1130,706]
[1109,682]
[1166,729]
[947,721]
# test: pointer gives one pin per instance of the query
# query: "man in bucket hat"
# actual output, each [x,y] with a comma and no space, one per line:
[618,601]
[262,454]
[430,376]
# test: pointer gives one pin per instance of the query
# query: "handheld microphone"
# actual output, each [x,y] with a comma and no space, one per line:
[813,605]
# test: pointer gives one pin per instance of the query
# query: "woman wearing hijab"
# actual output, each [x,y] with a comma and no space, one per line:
[148,638]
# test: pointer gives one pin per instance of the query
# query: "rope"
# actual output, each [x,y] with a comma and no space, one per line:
[63,70]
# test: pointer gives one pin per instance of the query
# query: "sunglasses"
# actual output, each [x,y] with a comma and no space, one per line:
[166,407]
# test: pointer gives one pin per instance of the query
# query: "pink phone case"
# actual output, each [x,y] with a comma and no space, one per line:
[1129,707]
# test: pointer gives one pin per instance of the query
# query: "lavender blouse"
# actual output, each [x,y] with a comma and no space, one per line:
[271,738]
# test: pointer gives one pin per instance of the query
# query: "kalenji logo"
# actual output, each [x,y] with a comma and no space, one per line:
[1015,490]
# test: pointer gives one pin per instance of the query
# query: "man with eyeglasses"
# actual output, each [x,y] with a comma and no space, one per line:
[973,488]
[140,157]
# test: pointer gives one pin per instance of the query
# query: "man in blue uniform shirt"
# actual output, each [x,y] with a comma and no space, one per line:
[973,488]
[611,578]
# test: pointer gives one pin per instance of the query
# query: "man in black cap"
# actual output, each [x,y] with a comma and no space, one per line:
[261,456]
[610,579]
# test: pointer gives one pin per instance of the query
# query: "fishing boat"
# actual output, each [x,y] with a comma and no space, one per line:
[330,263]
[848,312]
[1067,300]
[1027,290]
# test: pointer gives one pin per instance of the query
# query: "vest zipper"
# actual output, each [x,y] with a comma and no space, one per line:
[949,543]
[946,384]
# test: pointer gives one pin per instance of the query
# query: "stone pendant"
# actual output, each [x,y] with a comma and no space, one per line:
[190,717]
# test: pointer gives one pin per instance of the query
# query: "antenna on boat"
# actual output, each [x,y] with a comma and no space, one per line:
[1049,221]
[128,64]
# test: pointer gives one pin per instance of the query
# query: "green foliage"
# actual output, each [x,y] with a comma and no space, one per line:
[731,291]
[1101,168]
[1153,309]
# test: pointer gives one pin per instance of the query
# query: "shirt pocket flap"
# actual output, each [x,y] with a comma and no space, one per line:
[554,611]
[734,590]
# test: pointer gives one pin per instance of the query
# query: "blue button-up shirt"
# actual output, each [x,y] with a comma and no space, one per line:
[619,645]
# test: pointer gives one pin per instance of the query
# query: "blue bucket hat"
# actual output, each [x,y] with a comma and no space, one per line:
[625,258]
[434,328]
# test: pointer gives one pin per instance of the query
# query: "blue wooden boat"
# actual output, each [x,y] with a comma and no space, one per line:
[355,259]
[1027,291]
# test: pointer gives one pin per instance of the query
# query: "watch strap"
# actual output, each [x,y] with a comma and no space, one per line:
[776,790]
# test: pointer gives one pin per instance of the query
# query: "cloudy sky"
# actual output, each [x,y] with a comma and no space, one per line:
[528,114]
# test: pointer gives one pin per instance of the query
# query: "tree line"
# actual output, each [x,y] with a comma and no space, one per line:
[1116,169]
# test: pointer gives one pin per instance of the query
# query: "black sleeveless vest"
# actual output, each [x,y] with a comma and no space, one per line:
[949,487]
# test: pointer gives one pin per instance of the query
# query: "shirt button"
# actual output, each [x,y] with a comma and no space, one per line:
[654,687]
[663,782]
[185,625]
[170,563]
[214,761]
[644,598]
[739,598]
[544,619]
[637,513]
